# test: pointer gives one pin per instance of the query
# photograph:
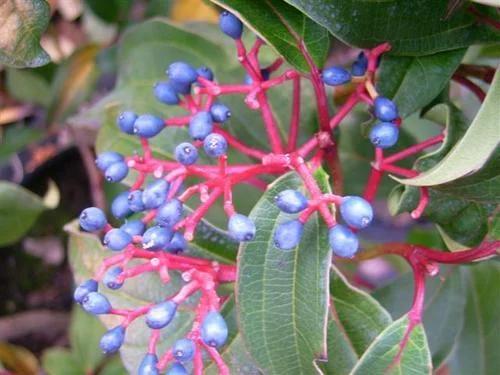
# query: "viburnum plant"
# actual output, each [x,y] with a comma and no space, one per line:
[300,237]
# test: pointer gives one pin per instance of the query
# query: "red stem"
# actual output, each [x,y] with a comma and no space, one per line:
[295,120]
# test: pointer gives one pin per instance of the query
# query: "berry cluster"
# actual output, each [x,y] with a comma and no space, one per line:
[163,231]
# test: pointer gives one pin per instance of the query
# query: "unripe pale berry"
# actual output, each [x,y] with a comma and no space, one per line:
[110,278]
[343,241]
[214,330]
[291,201]
[112,340]
[335,75]
[155,193]
[200,125]
[385,109]
[92,219]
[288,234]
[160,315]
[116,172]
[126,121]
[230,25]
[356,211]
[186,153]
[156,238]
[165,93]
[169,213]
[148,126]
[241,228]
[220,112]
[384,134]
[215,145]
[105,159]
[96,303]
[116,239]
[183,349]
[83,289]
[119,206]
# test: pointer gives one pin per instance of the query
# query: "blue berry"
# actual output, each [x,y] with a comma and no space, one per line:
[160,315]
[176,244]
[83,289]
[156,238]
[291,201]
[148,126]
[230,25]
[384,134]
[200,125]
[116,172]
[155,193]
[112,340]
[263,72]
[134,227]
[288,234]
[356,211]
[181,73]
[214,330]
[116,239]
[177,369]
[148,365]
[165,93]
[205,72]
[119,206]
[110,278]
[135,201]
[385,109]
[105,159]
[92,218]
[335,75]
[169,213]
[215,145]
[343,241]
[183,349]
[96,303]
[220,112]
[126,122]
[241,228]
[186,153]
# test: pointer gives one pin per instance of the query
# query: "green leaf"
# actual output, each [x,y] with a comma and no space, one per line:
[463,219]
[474,149]
[443,309]
[28,86]
[477,348]
[73,83]
[412,28]
[413,82]
[380,357]
[110,11]
[85,332]
[356,319]
[59,361]
[113,366]
[20,208]
[283,295]
[23,23]
[15,138]
[280,25]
